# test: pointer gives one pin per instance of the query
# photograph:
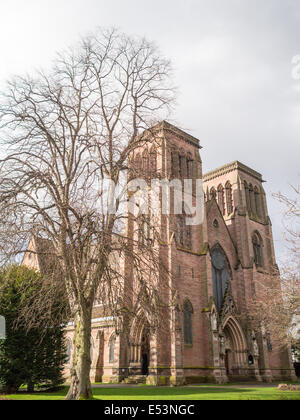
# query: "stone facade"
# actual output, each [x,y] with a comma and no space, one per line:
[215,267]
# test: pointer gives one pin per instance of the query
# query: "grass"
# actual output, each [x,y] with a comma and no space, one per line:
[202,392]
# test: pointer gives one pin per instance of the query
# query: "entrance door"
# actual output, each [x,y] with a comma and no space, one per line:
[227,362]
[145,365]
[145,353]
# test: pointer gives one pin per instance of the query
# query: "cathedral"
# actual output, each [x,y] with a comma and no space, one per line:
[215,267]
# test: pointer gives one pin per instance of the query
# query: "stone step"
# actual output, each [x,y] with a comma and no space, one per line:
[134,380]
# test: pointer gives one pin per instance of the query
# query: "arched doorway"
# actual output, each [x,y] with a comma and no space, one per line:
[139,347]
[145,352]
[235,348]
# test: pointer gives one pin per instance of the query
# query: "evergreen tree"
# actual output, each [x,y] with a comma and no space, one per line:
[32,357]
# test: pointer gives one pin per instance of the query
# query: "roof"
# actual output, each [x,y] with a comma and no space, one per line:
[236,165]
[167,127]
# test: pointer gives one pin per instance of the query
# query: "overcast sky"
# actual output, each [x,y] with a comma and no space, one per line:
[232,61]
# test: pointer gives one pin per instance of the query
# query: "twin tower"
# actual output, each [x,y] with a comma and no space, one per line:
[215,268]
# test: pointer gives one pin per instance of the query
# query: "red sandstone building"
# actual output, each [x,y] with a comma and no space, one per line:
[215,268]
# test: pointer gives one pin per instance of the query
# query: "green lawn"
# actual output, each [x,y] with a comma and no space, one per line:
[166,393]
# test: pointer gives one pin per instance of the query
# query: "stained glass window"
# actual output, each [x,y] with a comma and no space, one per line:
[220,276]
[229,199]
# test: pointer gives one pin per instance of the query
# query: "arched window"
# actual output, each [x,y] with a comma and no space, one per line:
[257,249]
[174,164]
[257,197]
[221,200]
[112,343]
[188,237]
[213,193]
[190,169]
[220,276]
[138,165]
[180,230]
[247,193]
[182,166]
[252,200]
[146,164]
[153,162]
[229,199]
[207,195]
[269,342]
[183,232]
[188,322]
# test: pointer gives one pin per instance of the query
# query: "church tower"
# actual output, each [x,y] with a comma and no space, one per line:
[214,267]
[238,191]
[214,270]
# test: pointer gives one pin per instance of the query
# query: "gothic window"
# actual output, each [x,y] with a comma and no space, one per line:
[269,342]
[229,199]
[153,162]
[180,231]
[112,342]
[247,193]
[183,233]
[213,193]
[252,200]
[257,249]
[216,224]
[188,238]
[221,200]
[138,165]
[188,322]
[257,197]
[174,164]
[182,163]
[220,276]
[146,164]
[190,169]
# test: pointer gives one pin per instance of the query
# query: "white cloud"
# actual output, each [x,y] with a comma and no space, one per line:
[232,60]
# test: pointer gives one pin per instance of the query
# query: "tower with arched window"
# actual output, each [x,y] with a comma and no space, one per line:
[210,274]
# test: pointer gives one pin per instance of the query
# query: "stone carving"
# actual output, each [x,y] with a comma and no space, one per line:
[229,307]
[214,321]
[222,345]
[255,345]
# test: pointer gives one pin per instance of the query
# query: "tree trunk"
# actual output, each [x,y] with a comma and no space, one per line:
[81,388]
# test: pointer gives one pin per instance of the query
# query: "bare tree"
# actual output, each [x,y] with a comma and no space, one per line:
[67,134]
[276,306]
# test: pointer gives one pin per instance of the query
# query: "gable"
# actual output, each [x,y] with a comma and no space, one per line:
[218,232]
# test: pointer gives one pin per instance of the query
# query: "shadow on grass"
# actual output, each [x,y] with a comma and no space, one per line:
[166,393]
